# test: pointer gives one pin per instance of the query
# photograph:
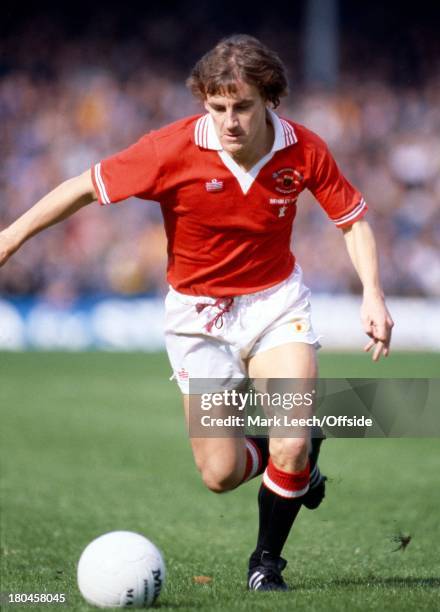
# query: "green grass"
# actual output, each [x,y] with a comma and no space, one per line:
[96,442]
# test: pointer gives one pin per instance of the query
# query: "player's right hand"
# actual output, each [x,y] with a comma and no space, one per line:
[8,246]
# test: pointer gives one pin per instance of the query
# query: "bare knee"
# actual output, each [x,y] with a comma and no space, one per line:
[221,462]
[289,454]
[219,480]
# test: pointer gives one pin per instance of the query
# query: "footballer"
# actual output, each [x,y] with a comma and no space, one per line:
[228,183]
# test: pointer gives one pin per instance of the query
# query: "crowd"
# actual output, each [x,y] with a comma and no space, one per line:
[77,106]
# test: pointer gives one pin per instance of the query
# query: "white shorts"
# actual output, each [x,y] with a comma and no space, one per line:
[254,323]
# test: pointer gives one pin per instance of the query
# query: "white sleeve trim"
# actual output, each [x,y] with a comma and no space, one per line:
[351,215]
[103,196]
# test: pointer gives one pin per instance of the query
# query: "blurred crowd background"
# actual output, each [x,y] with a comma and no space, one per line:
[74,90]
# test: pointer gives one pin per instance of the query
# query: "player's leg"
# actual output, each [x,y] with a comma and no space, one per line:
[209,361]
[223,462]
[316,493]
[288,367]
[286,479]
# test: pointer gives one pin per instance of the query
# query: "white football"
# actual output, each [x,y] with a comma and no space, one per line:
[121,569]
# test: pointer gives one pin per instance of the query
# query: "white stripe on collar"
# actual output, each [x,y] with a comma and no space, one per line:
[206,137]
[284,133]
[205,134]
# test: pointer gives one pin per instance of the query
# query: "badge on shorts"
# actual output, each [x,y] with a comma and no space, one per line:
[288,180]
[301,325]
[182,374]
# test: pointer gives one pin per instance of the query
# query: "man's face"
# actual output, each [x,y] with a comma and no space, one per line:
[239,119]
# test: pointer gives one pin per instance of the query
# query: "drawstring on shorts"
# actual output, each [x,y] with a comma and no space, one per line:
[224,305]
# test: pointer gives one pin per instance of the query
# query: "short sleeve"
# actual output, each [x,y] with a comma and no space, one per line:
[131,172]
[341,201]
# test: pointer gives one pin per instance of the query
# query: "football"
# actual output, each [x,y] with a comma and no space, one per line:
[121,569]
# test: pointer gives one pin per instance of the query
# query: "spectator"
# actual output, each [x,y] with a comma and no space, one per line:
[65,111]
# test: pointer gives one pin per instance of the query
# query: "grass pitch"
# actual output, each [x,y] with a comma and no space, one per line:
[96,442]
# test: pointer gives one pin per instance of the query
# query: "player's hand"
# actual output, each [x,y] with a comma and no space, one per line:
[8,246]
[377,323]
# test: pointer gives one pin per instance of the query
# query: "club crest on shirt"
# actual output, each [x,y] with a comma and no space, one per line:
[288,180]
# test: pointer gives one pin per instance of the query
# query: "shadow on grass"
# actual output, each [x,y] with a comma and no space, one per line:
[175,606]
[393,581]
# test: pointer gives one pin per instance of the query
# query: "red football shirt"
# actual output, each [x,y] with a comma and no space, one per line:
[228,230]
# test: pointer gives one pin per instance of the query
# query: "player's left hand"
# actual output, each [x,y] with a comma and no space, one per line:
[377,323]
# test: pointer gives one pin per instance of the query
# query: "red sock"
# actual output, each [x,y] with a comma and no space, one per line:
[286,484]
[254,460]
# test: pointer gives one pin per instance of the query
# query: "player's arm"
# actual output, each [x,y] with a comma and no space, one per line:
[57,205]
[376,319]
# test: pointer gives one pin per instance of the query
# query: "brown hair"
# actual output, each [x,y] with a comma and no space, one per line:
[239,58]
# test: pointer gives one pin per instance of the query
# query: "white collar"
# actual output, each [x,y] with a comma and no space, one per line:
[206,137]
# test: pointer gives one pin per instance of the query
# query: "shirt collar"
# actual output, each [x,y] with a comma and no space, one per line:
[206,137]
